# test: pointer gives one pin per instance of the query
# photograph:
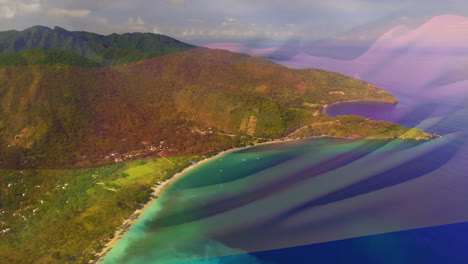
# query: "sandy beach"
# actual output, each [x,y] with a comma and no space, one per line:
[158,190]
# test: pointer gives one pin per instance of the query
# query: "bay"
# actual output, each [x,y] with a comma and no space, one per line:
[322,200]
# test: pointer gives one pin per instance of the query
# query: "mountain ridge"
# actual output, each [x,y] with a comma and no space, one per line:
[104,49]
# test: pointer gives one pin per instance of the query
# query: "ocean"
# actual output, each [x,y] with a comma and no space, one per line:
[322,200]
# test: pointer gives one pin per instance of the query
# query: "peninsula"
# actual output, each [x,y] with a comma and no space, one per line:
[89,124]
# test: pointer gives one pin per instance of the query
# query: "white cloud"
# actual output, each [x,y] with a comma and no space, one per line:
[29,7]
[7,12]
[10,9]
[70,13]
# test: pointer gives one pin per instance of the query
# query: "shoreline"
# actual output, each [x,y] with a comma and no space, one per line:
[161,188]
[326,106]
[158,190]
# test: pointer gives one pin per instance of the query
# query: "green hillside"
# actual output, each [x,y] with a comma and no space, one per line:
[194,102]
[46,57]
[106,50]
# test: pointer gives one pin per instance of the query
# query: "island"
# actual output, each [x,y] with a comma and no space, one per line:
[87,139]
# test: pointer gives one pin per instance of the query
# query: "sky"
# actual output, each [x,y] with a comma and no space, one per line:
[200,22]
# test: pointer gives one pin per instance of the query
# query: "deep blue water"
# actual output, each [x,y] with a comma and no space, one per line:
[435,245]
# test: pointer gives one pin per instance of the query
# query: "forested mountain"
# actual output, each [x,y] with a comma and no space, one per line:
[46,57]
[105,50]
[195,102]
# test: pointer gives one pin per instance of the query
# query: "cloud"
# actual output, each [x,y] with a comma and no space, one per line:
[27,8]
[70,13]
[207,21]
[238,32]
[135,21]
[7,12]
[10,9]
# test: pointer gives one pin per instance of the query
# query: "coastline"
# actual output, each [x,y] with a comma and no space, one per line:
[158,190]
[326,106]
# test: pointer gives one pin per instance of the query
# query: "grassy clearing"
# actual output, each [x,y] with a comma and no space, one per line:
[57,216]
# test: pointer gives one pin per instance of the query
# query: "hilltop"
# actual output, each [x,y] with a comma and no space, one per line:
[104,50]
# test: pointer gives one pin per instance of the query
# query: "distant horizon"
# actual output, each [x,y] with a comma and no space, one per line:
[261,24]
[340,47]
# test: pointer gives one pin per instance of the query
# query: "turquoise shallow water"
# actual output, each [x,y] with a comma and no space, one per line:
[285,195]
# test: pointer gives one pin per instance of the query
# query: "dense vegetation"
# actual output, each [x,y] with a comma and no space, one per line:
[43,57]
[198,101]
[65,216]
[105,50]
[359,127]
